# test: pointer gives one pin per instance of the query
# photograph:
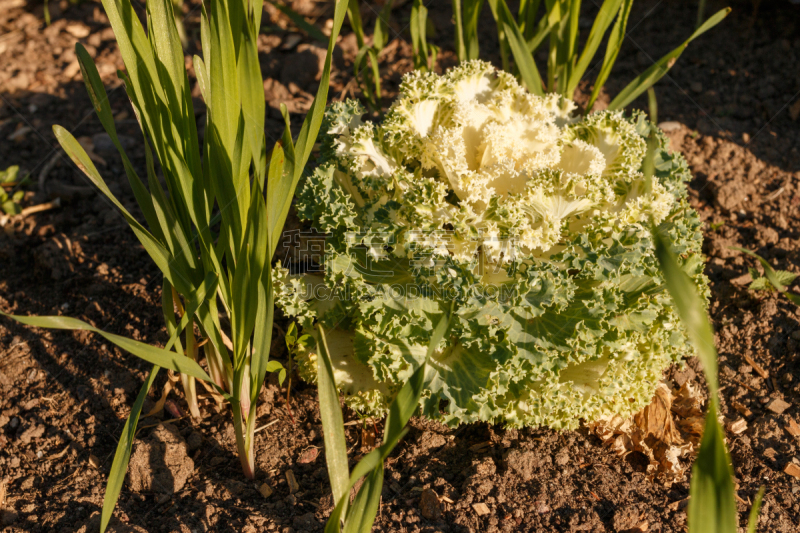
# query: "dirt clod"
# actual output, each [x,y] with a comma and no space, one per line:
[429,505]
[306,522]
[523,463]
[160,463]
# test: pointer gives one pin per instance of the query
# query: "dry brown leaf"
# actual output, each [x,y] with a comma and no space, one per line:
[667,431]
[656,418]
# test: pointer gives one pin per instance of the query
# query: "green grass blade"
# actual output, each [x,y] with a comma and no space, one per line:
[221,60]
[528,71]
[274,202]
[526,16]
[701,12]
[472,14]
[332,421]
[262,336]
[502,33]
[418,27]
[615,39]
[156,250]
[662,66]
[151,354]
[570,47]
[602,21]
[183,254]
[403,406]
[461,49]
[297,155]
[365,507]
[381,34]
[300,21]
[690,308]
[122,456]
[253,103]
[99,97]
[752,521]
[712,507]
[407,399]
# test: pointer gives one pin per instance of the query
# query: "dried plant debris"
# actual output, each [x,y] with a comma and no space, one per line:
[666,432]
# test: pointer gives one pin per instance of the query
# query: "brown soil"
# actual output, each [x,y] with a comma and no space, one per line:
[733,98]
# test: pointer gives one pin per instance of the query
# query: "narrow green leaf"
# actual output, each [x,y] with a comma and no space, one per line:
[601,23]
[253,103]
[472,14]
[461,49]
[122,456]
[332,421]
[407,399]
[119,467]
[365,507]
[752,522]
[662,66]
[300,21]
[380,35]
[99,97]
[526,15]
[158,254]
[297,155]
[613,47]
[403,406]
[519,48]
[690,308]
[712,508]
[151,354]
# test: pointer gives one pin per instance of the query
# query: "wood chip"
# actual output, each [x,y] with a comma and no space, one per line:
[738,427]
[758,368]
[481,508]
[94,461]
[680,504]
[293,486]
[265,490]
[793,428]
[2,493]
[778,406]
[743,410]
[793,470]
[480,446]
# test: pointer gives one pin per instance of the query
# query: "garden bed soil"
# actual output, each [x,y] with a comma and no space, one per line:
[730,105]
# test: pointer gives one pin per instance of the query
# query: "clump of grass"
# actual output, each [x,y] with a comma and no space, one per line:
[213,232]
[521,35]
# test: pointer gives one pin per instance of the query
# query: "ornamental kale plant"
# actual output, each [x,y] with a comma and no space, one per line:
[532,223]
